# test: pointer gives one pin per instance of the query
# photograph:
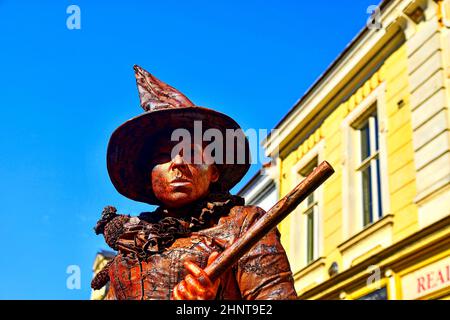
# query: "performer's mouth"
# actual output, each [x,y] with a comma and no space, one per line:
[180,182]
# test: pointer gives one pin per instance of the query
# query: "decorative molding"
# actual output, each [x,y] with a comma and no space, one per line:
[348,106]
[366,232]
[313,266]
[365,90]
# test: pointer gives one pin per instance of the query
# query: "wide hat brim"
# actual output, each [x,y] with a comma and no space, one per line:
[129,144]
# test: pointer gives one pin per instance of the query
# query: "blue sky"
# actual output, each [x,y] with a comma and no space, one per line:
[63,92]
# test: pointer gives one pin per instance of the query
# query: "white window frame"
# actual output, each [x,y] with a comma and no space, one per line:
[299,219]
[369,161]
[352,197]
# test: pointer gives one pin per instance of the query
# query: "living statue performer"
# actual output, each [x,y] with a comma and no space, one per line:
[162,254]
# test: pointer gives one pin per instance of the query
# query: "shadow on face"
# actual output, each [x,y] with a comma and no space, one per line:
[180,177]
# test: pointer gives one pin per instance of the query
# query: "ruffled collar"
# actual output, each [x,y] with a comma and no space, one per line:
[153,232]
[202,214]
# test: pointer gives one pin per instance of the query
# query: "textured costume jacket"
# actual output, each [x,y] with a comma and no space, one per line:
[262,273]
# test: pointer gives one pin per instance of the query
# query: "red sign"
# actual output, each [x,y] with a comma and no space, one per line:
[426,280]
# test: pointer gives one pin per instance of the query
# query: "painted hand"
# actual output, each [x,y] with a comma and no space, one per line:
[196,285]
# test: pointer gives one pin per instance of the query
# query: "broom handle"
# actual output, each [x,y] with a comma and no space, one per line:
[269,220]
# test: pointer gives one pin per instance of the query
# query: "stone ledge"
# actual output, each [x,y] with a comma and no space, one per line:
[313,266]
[369,230]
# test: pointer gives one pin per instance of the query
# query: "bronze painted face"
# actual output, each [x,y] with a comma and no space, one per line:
[177,181]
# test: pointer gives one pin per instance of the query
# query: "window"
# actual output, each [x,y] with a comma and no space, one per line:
[365,189]
[368,169]
[310,213]
[306,227]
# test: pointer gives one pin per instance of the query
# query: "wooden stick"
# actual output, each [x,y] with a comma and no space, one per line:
[269,220]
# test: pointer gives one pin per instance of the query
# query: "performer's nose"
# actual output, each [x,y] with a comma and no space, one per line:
[178,160]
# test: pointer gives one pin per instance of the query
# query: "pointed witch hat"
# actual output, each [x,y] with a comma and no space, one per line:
[132,145]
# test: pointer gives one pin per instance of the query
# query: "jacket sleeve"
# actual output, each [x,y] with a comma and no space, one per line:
[264,273]
[111,294]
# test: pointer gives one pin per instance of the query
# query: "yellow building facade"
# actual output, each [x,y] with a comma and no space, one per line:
[101,260]
[379,228]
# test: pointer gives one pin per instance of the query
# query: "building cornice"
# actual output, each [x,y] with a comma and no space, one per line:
[340,72]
